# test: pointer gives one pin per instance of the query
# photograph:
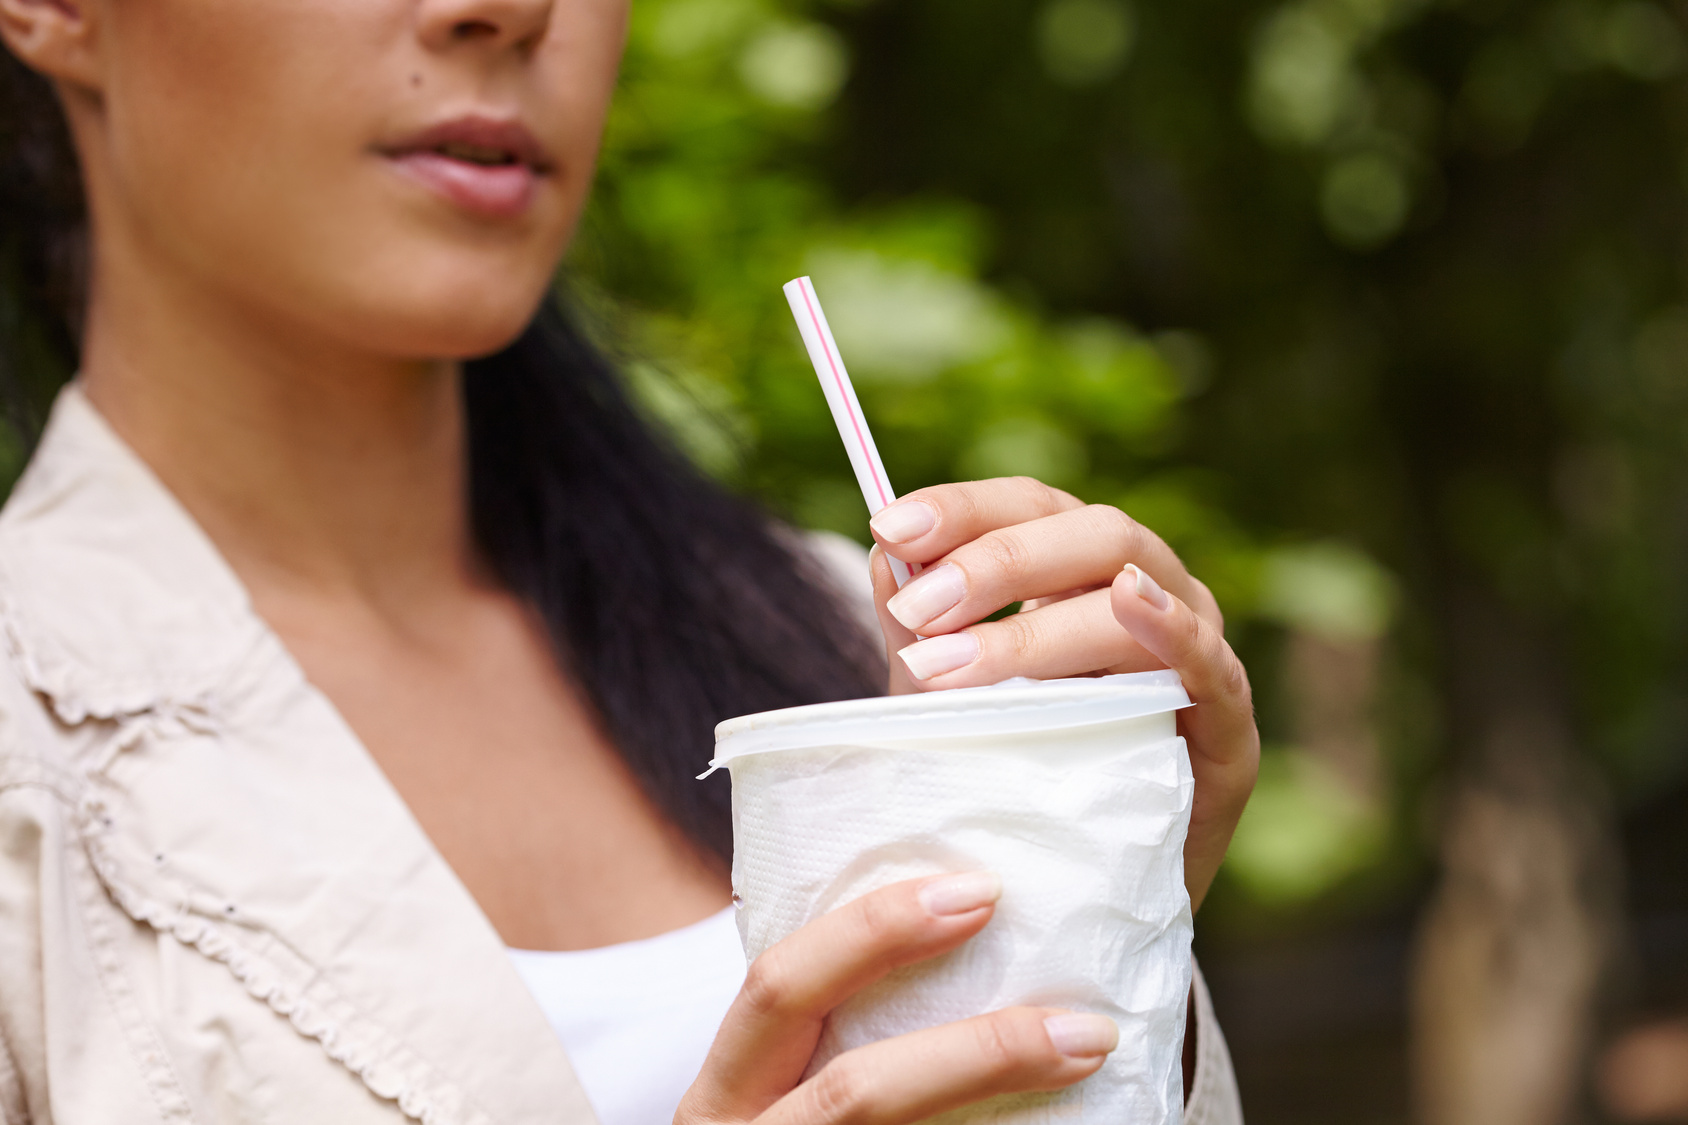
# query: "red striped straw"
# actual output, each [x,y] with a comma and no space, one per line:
[846,410]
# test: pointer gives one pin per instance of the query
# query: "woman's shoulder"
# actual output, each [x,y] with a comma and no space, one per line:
[39,779]
[42,772]
[112,599]
[841,564]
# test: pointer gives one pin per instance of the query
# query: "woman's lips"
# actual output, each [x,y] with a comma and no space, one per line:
[486,164]
[500,191]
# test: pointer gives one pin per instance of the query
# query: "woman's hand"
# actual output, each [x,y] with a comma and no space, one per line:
[755,1069]
[1100,592]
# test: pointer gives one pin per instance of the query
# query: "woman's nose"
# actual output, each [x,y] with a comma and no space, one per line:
[493,23]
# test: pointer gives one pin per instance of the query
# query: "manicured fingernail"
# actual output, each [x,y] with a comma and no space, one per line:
[902,522]
[1082,1035]
[937,655]
[1148,589]
[935,592]
[959,894]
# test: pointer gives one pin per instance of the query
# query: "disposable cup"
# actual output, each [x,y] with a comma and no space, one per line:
[1075,792]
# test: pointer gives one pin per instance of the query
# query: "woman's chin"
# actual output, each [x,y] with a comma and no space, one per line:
[482,342]
[420,306]
[455,333]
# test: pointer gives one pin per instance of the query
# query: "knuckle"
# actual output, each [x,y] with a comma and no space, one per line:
[1201,600]
[1042,496]
[839,1093]
[691,1112]
[1008,554]
[959,502]
[1234,682]
[1022,636]
[996,1046]
[1190,633]
[1110,520]
[883,914]
[1114,525]
[1007,1043]
[1030,486]
[769,988]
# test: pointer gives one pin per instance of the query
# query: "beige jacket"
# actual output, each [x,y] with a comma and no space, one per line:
[213,906]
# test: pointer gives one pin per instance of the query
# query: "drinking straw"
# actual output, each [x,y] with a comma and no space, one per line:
[846,409]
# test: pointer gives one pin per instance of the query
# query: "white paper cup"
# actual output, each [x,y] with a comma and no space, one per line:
[1076,792]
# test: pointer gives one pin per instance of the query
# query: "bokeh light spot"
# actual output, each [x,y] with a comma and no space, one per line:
[1365,200]
[1643,42]
[1301,79]
[903,320]
[798,66]
[1085,42]
[1505,88]
[1331,590]
[694,27]
[1302,831]
[1026,446]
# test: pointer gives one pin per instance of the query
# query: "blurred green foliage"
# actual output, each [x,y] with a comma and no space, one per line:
[711,197]
[1373,308]
[713,192]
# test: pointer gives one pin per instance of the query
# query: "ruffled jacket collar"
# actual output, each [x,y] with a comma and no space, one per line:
[225,803]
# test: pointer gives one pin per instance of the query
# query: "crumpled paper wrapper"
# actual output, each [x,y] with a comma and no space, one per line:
[1094,915]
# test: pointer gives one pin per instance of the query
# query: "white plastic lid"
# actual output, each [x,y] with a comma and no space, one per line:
[1011,707]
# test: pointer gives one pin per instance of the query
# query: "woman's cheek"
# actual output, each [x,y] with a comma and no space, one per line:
[244,140]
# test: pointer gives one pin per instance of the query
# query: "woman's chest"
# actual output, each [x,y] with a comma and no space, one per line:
[504,766]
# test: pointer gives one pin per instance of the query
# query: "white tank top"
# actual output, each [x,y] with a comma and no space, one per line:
[637,1019]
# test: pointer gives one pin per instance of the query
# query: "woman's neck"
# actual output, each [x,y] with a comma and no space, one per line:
[334,485]
[318,471]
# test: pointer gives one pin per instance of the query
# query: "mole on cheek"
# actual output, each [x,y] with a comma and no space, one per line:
[416,80]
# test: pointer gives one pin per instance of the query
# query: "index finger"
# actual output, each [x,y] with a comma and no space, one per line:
[1220,731]
[931,522]
[1212,675]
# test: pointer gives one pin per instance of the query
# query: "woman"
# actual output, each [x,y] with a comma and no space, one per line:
[345,673]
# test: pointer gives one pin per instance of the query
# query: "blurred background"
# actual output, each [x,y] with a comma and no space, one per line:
[1376,309]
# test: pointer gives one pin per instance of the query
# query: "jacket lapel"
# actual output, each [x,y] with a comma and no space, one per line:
[230,807]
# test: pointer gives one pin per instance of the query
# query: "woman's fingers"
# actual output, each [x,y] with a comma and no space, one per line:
[988,544]
[1077,548]
[1084,634]
[1187,644]
[755,1067]
[930,522]
[1072,637]
[916,1076]
[1220,729]
[770,1032]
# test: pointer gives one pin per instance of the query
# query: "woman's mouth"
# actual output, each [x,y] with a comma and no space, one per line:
[485,165]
